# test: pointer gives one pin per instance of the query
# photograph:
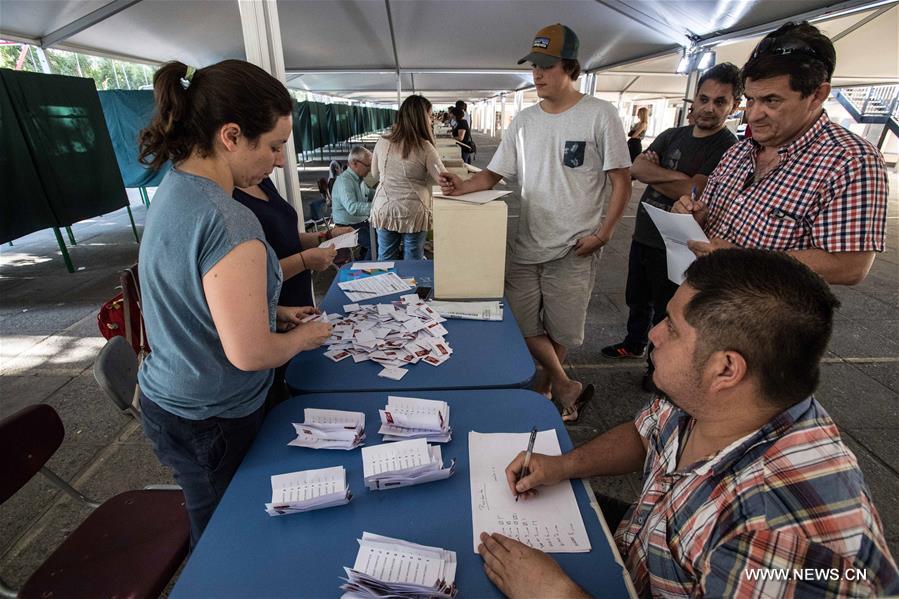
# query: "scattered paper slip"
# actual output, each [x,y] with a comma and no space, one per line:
[388,567]
[411,418]
[371,287]
[395,336]
[308,490]
[676,230]
[372,265]
[469,310]
[549,521]
[475,197]
[403,464]
[347,240]
[329,429]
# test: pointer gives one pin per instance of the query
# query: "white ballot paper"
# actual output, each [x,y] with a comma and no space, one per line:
[676,230]
[550,521]
[308,490]
[372,266]
[468,310]
[411,417]
[403,464]
[347,240]
[475,197]
[329,429]
[388,567]
[371,287]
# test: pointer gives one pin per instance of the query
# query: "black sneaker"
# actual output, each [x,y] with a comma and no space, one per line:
[621,351]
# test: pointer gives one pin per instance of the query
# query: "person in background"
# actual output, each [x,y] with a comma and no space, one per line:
[461,105]
[298,254]
[560,154]
[351,198]
[462,133]
[678,162]
[745,474]
[802,184]
[637,133]
[406,164]
[210,282]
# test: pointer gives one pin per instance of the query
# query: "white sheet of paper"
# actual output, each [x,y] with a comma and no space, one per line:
[372,287]
[475,197]
[347,240]
[676,230]
[388,457]
[469,310]
[551,521]
[372,265]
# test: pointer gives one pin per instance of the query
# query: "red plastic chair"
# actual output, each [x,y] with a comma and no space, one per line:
[129,546]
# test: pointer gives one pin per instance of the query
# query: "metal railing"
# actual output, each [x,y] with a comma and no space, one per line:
[874,101]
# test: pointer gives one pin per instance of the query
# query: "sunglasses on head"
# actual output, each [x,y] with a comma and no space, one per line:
[785,47]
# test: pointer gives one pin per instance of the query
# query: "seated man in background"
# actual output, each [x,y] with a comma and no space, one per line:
[745,474]
[350,203]
[677,163]
[801,184]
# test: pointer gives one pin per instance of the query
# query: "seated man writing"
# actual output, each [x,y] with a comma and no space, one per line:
[351,198]
[745,474]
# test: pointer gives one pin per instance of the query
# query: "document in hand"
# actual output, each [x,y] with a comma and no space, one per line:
[387,567]
[371,287]
[308,490]
[411,418]
[475,197]
[550,521]
[403,464]
[676,230]
[330,429]
[469,310]
[347,240]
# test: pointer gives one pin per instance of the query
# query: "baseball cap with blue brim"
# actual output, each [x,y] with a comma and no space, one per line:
[552,44]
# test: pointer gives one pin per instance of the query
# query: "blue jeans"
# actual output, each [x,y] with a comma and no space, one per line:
[204,455]
[401,246]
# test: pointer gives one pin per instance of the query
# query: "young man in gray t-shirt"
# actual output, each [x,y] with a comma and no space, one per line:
[559,155]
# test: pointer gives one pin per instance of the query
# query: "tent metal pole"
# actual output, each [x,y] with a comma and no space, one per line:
[88,20]
[396,56]
[133,226]
[62,248]
[145,198]
[834,39]
[71,235]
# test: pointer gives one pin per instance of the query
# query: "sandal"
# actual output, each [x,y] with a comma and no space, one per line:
[571,414]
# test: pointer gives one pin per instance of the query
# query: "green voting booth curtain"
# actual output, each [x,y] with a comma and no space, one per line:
[126,113]
[63,133]
[316,125]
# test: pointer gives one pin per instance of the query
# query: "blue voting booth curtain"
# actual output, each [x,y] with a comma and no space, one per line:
[126,113]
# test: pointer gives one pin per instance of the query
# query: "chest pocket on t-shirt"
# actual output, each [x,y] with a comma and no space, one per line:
[574,153]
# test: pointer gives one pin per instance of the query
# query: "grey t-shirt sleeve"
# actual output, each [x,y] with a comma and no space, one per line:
[505,160]
[225,230]
[611,140]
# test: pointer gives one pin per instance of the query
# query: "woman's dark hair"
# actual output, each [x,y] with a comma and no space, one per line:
[768,307]
[572,67]
[413,125]
[189,113]
[457,112]
[799,50]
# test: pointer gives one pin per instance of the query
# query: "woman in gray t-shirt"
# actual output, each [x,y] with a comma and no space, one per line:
[209,281]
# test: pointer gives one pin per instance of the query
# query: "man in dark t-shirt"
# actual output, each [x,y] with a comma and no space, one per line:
[678,162]
[462,133]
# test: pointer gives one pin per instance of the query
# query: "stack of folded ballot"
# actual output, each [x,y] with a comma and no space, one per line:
[308,490]
[403,464]
[330,429]
[387,567]
[410,418]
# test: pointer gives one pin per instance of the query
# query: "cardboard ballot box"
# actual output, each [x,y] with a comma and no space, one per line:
[469,249]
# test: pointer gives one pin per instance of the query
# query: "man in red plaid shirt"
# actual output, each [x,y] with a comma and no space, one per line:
[801,184]
[748,489]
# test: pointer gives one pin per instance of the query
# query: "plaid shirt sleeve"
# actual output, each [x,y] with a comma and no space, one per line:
[778,563]
[854,207]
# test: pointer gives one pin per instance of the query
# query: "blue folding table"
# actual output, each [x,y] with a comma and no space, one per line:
[246,553]
[486,354]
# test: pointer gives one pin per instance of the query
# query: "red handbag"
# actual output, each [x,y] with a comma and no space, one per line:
[122,314]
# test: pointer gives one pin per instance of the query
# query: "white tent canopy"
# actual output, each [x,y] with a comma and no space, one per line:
[455,48]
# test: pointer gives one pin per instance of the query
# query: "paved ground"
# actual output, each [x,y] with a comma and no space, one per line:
[48,341]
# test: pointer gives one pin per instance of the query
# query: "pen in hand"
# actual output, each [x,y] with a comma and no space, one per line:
[527,458]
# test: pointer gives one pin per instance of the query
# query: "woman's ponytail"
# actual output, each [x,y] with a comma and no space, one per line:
[167,137]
